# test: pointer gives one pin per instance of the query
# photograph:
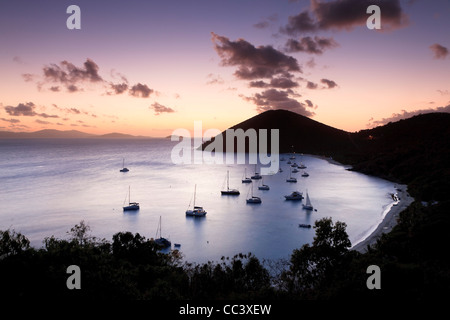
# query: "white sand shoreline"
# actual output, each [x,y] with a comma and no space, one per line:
[389,221]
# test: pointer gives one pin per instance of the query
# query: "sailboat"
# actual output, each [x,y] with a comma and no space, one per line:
[197,211]
[131,205]
[245,179]
[230,192]
[291,179]
[253,199]
[263,186]
[161,242]
[305,174]
[123,167]
[257,176]
[308,204]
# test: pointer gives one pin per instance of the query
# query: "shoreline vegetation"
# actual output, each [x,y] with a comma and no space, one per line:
[409,246]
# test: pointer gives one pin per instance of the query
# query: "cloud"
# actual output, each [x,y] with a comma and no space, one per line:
[440,52]
[118,88]
[330,83]
[42,121]
[281,83]
[159,108]
[68,74]
[406,114]
[26,109]
[272,99]
[22,109]
[140,90]
[310,45]
[73,78]
[253,62]
[344,15]
[10,120]
[311,85]
[214,79]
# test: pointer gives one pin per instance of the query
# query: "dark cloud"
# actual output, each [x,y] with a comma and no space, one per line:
[330,83]
[272,99]
[253,62]
[281,83]
[22,109]
[73,78]
[440,52]
[406,114]
[118,88]
[10,120]
[309,103]
[311,85]
[310,45]
[344,14]
[140,90]
[26,109]
[66,73]
[159,108]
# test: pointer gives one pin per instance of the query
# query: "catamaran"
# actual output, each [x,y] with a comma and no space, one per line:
[196,211]
[308,204]
[229,192]
[131,205]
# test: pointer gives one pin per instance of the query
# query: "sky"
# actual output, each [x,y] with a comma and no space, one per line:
[150,67]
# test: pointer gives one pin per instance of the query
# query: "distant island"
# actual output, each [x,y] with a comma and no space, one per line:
[67,134]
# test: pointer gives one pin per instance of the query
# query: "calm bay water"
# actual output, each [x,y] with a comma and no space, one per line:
[48,186]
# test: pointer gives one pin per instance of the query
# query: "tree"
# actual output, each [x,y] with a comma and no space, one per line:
[312,265]
[12,243]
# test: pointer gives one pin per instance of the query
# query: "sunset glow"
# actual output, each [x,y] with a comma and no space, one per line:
[147,67]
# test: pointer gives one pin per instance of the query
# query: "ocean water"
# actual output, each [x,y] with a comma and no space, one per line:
[49,185]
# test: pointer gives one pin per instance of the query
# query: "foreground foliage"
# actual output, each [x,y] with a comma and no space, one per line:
[130,267]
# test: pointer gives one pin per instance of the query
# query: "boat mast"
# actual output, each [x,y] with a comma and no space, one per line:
[195,191]
[228,180]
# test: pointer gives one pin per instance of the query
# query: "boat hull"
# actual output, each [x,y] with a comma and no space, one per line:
[230,193]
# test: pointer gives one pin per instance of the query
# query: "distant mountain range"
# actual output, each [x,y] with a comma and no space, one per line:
[69,134]
[415,151]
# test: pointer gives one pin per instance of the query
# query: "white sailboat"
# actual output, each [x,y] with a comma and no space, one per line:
[161,242]
[254,199]
[131,205]
[196,211]
[263,186]
[245,179]
[229,192]
[123,167]
[308,204]
[291,178]
[256,176]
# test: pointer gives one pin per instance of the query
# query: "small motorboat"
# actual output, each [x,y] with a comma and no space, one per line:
[294,196]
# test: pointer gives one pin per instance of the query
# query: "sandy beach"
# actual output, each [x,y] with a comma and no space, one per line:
[389,221]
